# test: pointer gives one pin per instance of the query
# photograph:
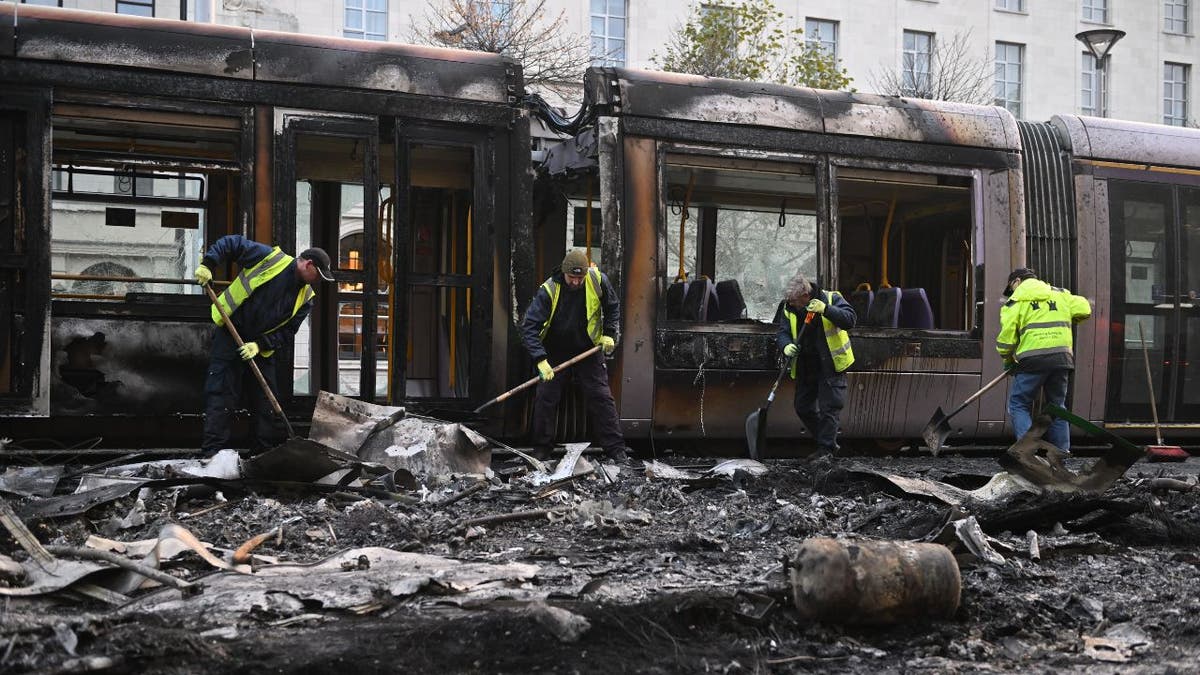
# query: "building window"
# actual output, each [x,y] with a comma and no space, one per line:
[1008,76]
[1094,94]
[1011,5]
[1175,107]
[822,34]
[1175,16]
[1095,11]
[43,3]
[918,58]
[136,7]
[366,19]
[608,32]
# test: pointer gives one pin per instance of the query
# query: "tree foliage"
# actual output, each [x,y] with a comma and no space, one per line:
[954,74]
[749,41]
[550,55]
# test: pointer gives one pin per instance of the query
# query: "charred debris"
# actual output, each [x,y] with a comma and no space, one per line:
[388,540]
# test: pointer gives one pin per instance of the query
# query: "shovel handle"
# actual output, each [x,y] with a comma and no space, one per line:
[262,381]
[788,362]
[971,399]
[534,380]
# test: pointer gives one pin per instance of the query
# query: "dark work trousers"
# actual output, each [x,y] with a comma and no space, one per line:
[819,401]
[228,377]
[592,376]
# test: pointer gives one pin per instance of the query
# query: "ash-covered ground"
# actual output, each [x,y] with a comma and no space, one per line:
[633,574]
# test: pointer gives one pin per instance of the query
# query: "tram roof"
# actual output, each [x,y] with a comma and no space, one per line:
[102,38]
[1101,138]
[675,96]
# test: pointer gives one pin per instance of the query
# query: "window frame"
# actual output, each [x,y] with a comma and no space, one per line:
[1171,86]
[1089,8]
[57,3]
[810,41]
[1169,19]
[1003,6]
[131,3]
[911,57]
[363,11]
[609,43]
[1099,79]
[1004,101]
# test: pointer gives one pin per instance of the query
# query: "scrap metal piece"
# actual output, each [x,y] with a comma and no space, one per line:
[31,481]
[297,460]
[350,425]
[1026,457]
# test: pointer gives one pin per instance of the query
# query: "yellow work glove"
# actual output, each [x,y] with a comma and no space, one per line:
[815,306]
[791,350]
[248,351]
[203,275]
[607,344]
[545,371]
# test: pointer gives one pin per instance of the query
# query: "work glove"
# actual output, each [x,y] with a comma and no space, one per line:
[545,371]
[608,344]
[815,306]
[248,351]
[1009,365]
[203,275]
[791,350]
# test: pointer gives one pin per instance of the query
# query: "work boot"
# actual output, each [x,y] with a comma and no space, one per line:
[618,455]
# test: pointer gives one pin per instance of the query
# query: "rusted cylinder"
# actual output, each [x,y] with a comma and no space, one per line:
[874,582]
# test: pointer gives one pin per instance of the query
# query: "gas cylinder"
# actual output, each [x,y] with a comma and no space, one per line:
[873,582]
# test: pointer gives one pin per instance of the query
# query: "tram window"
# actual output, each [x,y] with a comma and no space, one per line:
[750,226]
[905,251]
[117,230]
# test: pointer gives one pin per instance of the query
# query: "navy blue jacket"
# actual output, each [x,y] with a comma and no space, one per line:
[269,304]
[568,330]
[813,347]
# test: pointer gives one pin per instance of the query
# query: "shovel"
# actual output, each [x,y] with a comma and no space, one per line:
[756,422]
[534,380]
[1160,452]
[938,429]
[262,382]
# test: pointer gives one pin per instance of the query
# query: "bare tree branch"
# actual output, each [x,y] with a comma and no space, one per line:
[954,75]
[552,57]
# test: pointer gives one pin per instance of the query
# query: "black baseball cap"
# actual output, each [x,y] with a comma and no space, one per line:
[1021,273]
[320,258]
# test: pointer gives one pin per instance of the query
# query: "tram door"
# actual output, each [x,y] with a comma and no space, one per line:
[329,191]
[24,265]
[441,222]
[1156,297]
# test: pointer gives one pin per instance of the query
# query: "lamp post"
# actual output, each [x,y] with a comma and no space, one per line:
[1099,43]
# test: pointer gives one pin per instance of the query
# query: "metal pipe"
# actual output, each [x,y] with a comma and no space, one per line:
[145,280]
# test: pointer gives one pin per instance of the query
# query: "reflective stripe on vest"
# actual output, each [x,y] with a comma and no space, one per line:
[595,318]
[836,339]
[249,279]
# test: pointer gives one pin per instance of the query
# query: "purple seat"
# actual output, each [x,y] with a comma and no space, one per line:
[885,308]
[914,309]
[861,302]
[730,301]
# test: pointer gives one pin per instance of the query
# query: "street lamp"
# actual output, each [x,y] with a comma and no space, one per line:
[1099,43]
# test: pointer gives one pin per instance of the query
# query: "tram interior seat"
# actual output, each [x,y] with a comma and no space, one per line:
[730,303]
[885,308]
[915,311]
[692,300]
[861,302]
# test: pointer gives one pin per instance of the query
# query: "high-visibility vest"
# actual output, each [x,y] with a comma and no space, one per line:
[594,290]
[249,279]
[1037,320]
[836,339]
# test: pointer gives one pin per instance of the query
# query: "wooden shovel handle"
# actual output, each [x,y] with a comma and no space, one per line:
[534,380]
[262,381]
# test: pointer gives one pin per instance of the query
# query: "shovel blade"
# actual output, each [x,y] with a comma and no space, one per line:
[937,431]
[756,432]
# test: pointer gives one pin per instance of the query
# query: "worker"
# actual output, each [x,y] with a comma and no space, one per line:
[1035,342]
[821,356]
[574,310]
[267,302]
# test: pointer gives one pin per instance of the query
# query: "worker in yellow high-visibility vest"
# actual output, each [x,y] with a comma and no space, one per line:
[1035,339]
[822,354]
[267,301]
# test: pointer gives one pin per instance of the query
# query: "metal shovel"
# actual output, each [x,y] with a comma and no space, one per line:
[756,422]
[938,429]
